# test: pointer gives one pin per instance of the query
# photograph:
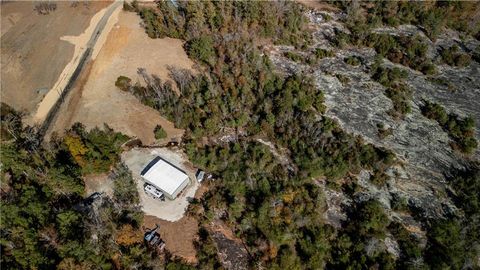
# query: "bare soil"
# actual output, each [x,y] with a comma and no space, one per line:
[179,236]
[126,49]
[33,54]
[98,183]
[317,5]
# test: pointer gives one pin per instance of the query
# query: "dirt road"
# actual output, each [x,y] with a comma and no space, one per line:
[33,54]
[52,101]
[96,100]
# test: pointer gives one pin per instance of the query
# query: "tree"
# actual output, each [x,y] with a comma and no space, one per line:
[68,224]
[128,236]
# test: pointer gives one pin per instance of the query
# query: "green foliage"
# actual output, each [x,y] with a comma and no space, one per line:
[123,83]
[406,50]
[202,49]
[462,131]
[432,17]
[342,78]
[323,53]
[47,224]
[282,21]
[352,60]
[435,111]
[68,223]
[453,57]
[95,151]
[387,76]
[399,93]
[446,247]
[467,186]
[272,203]
[408,243]
[453,242]
[369,220]
[294,57]
[476,54]
[383,131]
[159,132]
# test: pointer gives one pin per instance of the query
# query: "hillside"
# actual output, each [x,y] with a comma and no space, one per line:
[332,134]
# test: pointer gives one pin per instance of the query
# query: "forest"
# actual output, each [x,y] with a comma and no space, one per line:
[275,206]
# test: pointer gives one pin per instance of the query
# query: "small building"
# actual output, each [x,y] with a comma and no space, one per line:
[165,176]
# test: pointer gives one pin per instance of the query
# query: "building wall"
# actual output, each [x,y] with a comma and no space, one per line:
[168,195]
[180,188]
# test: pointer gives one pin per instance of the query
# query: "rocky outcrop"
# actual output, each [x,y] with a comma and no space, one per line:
[359,105]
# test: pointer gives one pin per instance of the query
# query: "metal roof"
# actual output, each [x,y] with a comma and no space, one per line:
[164,175]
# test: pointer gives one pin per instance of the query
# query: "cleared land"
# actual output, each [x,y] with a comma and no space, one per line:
[178,236]
[97,100]
[33,54]
[137,158]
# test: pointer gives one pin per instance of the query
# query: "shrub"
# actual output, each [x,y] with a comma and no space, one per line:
[123,83]
[462,131]
[383,132]
[160,133]
[453,57]
[435,111]
[294,56]
[342,78]
[353,60]
[322,53]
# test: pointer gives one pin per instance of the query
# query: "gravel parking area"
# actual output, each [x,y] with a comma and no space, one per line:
[137,158]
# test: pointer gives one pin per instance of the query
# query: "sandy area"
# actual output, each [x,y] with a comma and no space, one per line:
[126,49]
[171,210]
[178,236]
[32,52]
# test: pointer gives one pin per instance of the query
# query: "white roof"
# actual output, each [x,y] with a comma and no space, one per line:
[165,176]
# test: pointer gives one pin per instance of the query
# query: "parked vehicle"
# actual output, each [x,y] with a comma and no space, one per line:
[154,192]
[200,175]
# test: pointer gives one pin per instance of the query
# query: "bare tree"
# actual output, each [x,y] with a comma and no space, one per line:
[45,7]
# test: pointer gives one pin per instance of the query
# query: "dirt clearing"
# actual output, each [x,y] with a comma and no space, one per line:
[172,210]
[178,236]
[32,53]
[98,183]
[126,49]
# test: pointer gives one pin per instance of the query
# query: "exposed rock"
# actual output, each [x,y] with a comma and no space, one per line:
[392,246]
[232,255]
[336,203]
[359,104]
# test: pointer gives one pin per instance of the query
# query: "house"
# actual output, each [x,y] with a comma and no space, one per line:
[165,176]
